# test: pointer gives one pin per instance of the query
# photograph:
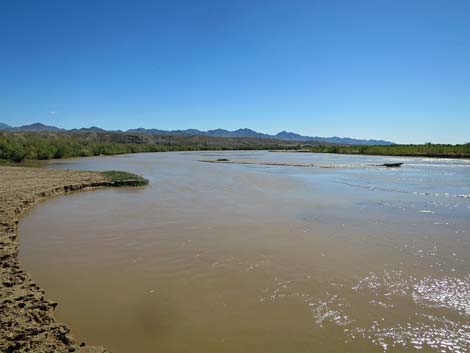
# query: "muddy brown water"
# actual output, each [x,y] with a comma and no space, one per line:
[257,258]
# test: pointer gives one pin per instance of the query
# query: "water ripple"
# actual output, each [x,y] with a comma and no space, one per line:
[447,292]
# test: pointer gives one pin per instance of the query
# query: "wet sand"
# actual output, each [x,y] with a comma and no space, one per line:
[27,323]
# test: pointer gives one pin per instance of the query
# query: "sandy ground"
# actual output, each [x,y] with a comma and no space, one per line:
[27,323]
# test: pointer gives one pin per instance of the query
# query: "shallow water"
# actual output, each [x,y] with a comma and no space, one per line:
[256,258]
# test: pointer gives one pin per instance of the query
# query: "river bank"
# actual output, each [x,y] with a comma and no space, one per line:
[27,322]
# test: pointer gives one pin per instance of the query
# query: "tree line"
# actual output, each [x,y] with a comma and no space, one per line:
[17,147]
[423,150]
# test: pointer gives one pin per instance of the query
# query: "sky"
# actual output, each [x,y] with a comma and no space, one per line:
[382,69]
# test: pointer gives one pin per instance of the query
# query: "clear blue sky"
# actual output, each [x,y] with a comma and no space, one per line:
[388,69]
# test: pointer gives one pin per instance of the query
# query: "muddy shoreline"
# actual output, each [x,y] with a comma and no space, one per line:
[27,322]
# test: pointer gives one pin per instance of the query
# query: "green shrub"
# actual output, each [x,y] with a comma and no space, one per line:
[121,178]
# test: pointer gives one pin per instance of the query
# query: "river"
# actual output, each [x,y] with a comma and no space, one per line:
[334,254]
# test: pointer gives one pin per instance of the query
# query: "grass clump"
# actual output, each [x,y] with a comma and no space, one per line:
[120,178]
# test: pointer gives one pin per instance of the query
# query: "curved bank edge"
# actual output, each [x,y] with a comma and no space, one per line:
[27,323]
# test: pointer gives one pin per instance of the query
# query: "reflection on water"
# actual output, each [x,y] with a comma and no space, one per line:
[261,258]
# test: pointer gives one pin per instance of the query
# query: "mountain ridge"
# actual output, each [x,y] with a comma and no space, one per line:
[242,132]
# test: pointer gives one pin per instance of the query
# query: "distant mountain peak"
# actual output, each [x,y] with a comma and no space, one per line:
[38,127]
[89,129]
[5,127]
[239,133]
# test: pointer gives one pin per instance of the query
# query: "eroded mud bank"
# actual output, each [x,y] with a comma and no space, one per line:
[27,322]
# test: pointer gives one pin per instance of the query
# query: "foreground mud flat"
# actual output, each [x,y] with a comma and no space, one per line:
[27,322]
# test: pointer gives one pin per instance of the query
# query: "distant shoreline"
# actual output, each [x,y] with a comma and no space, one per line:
[443,156]
[37,162]
[18,147]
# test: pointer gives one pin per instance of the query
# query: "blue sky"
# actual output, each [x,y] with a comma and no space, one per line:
[388,69]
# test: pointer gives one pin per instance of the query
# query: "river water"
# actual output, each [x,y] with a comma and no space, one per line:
[334,254]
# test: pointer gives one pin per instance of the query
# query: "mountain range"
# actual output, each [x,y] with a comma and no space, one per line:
[283,135]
